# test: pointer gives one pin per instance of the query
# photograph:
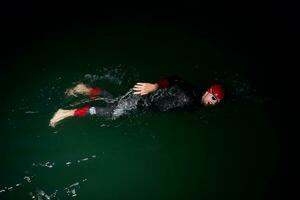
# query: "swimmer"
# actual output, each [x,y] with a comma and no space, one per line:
[166,94]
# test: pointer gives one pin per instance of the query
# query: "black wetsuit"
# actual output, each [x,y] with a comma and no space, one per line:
[173,93]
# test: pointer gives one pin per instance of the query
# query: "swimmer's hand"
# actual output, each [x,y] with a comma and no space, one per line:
[145,88]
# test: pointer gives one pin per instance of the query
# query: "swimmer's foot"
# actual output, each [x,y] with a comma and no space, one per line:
[60,115]
[78,89]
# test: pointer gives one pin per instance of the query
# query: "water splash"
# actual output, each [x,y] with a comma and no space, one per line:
[26,180]
[117,75]
[47,164]
[68,191]
[31,112]
[168,99]
[40,194]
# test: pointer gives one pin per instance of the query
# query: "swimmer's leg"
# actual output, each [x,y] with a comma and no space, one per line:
[88,91]
[81,112]
[60,115]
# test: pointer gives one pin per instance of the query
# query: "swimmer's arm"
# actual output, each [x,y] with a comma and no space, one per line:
[146,88]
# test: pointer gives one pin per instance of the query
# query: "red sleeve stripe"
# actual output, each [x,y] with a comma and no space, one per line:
[164,83]
[95,92]
[81,112]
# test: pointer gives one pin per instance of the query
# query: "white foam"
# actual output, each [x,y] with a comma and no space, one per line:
[27,178]
[46,164]
[74,184]
[31,112]
[68,163]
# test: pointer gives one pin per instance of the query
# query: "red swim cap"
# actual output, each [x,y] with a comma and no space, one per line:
[217,90]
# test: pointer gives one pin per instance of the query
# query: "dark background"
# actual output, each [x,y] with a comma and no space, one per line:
[264,33]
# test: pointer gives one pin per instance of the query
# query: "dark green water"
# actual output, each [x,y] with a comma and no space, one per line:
[227,152]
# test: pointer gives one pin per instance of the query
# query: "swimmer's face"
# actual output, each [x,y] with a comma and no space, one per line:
[209,99]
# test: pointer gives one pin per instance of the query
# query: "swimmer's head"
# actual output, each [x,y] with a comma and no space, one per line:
[213,95]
